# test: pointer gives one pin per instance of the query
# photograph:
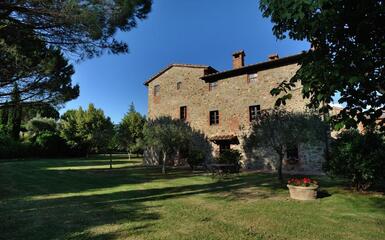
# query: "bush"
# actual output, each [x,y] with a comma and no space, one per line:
[46,144]
[9,148]
[360,158]
[38,124]
[195,158]
[51,144]
[230,156]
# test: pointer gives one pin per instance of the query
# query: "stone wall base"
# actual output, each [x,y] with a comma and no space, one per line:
[311,159]
[151,157]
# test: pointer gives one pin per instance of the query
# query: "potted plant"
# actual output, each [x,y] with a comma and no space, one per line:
[303,188]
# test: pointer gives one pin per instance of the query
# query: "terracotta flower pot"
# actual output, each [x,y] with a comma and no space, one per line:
[303,193]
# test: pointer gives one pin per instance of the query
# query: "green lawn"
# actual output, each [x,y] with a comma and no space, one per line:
[84,199]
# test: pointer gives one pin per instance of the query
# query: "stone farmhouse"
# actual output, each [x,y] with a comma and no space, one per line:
[223,104]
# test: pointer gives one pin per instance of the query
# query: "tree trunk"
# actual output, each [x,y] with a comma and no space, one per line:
[177,157]
[280,160]
[110,161]
[129,155]
[326,139]
[164,163]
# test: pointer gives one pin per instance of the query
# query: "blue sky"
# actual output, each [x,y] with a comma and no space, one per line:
[176,31]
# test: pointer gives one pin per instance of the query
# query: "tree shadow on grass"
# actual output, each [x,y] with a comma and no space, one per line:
[323,193]
[23,179]
[112,215]
[109,215]
[378,203]
[80,218]
[100,216]
[85,216]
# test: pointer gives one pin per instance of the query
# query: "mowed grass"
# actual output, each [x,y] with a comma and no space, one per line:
[84,199]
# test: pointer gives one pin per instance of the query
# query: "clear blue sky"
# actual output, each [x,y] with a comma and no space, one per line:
[176,31]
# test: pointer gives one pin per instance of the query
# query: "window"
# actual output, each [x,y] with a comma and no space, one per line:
[254,112]
[213,86]
[178,85]
[214,117]
[252,78]
[156,90]
[292,152]
[183,113]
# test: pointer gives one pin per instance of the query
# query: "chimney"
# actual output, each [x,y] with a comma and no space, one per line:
[273,56]
[239,59]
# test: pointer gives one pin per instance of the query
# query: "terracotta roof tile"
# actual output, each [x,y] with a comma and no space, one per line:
[253,67]
[223,137]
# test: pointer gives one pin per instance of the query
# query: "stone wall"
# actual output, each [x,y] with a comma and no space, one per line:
[232,98]
[152,157]
[311,159]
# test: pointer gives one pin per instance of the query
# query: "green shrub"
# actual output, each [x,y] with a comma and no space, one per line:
[9,148]
[46,144]
[38,124]
[51,144]
[360,158]
[195,158]
[230,156]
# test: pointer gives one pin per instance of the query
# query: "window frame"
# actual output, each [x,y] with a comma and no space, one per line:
[254,112]
[156,90]
[252,76]
[183,113]
[213,85]
[214,117]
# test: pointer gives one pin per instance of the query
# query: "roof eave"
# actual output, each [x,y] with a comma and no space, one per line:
[254,67]
[177,65]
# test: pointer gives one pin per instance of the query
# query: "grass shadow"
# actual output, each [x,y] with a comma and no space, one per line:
[106,204]
[323,193]
[55,176]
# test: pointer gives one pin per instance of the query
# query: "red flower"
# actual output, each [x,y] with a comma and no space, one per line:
[306,180]
[302,182]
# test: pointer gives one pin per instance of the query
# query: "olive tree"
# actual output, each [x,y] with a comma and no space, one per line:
[171,137]
[279,129]
[167,136]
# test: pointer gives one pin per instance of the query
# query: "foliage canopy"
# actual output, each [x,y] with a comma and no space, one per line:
[85,28]
[360,158]
[171,136]
[279,129]
[130,130]
[348,55]
[88,129]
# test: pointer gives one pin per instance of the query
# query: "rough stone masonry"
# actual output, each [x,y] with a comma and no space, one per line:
[222,105]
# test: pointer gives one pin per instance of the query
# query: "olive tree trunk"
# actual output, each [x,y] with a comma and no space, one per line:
[164,162]
[280,160]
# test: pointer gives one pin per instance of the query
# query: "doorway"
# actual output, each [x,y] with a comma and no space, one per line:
[224,145]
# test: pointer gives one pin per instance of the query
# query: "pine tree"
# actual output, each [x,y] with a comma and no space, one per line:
[4,115]
[130,130]
[14,115]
